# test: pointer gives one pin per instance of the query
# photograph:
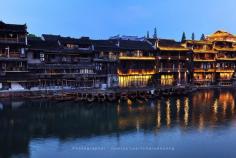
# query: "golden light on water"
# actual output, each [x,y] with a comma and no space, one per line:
[215,106]
[186,111]
[158,114]
[168,113]
[199,110]
[178,108]
[201,122]
[215,110]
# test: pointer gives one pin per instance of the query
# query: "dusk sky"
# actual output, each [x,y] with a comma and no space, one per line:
[105,18]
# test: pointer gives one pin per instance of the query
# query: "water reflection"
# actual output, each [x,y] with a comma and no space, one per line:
[23,121]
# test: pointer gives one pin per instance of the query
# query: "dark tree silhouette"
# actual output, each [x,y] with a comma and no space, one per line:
[183,37]
[202,37]
[155,33]
[148,34]
[193,36]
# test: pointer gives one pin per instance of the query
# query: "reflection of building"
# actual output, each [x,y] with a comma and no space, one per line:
[206,109]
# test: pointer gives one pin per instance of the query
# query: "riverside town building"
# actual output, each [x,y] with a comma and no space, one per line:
[55,62]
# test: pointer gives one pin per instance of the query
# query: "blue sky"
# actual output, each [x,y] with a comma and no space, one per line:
[105,18]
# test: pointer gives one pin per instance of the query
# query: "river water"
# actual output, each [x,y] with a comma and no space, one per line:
[201,124]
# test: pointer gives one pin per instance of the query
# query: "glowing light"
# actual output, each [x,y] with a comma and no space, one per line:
[134,80]
[167,79]
[137,72]
[201,122]
[186,111]
[168,113]
[178,108]
[158,115]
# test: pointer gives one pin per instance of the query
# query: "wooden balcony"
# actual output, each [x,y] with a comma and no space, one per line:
[136,58]
[204,51]
[204,70]
[12,40]
[11,54]
[106,59]
[226,58]
[173,70]
[60,66]
[204,60]
[202,82]
[136,72]
[227,70]
[173,58]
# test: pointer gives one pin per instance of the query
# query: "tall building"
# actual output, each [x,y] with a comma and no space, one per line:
[214,59]
[13,61]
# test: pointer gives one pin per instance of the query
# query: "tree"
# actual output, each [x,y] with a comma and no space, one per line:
[155,33]
[202,37]
[147,34]
[31,35]
[193,36]
[183,37]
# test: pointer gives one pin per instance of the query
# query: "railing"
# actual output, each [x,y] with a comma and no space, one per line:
[172,69]
[204,59]
[11,55]
[173,57]
[137,58]
[59,66]
[202,82]
[72,74]
[12,40]
[105,58]
[68,61]
[16,69]
[226,58]
[204,70]
[202,49]
[136,72]
[223,69]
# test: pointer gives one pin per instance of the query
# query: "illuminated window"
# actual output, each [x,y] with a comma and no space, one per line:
[134,80]
[167,79]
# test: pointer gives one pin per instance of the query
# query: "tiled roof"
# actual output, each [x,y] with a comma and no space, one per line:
[134,45]
[36,43]
[104,45]
[12,28]
[169,44]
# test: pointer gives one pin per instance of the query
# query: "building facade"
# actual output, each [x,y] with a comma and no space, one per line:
[13,61]
[57,62]
[137,63]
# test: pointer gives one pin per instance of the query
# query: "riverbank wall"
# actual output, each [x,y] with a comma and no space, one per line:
[92,95]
